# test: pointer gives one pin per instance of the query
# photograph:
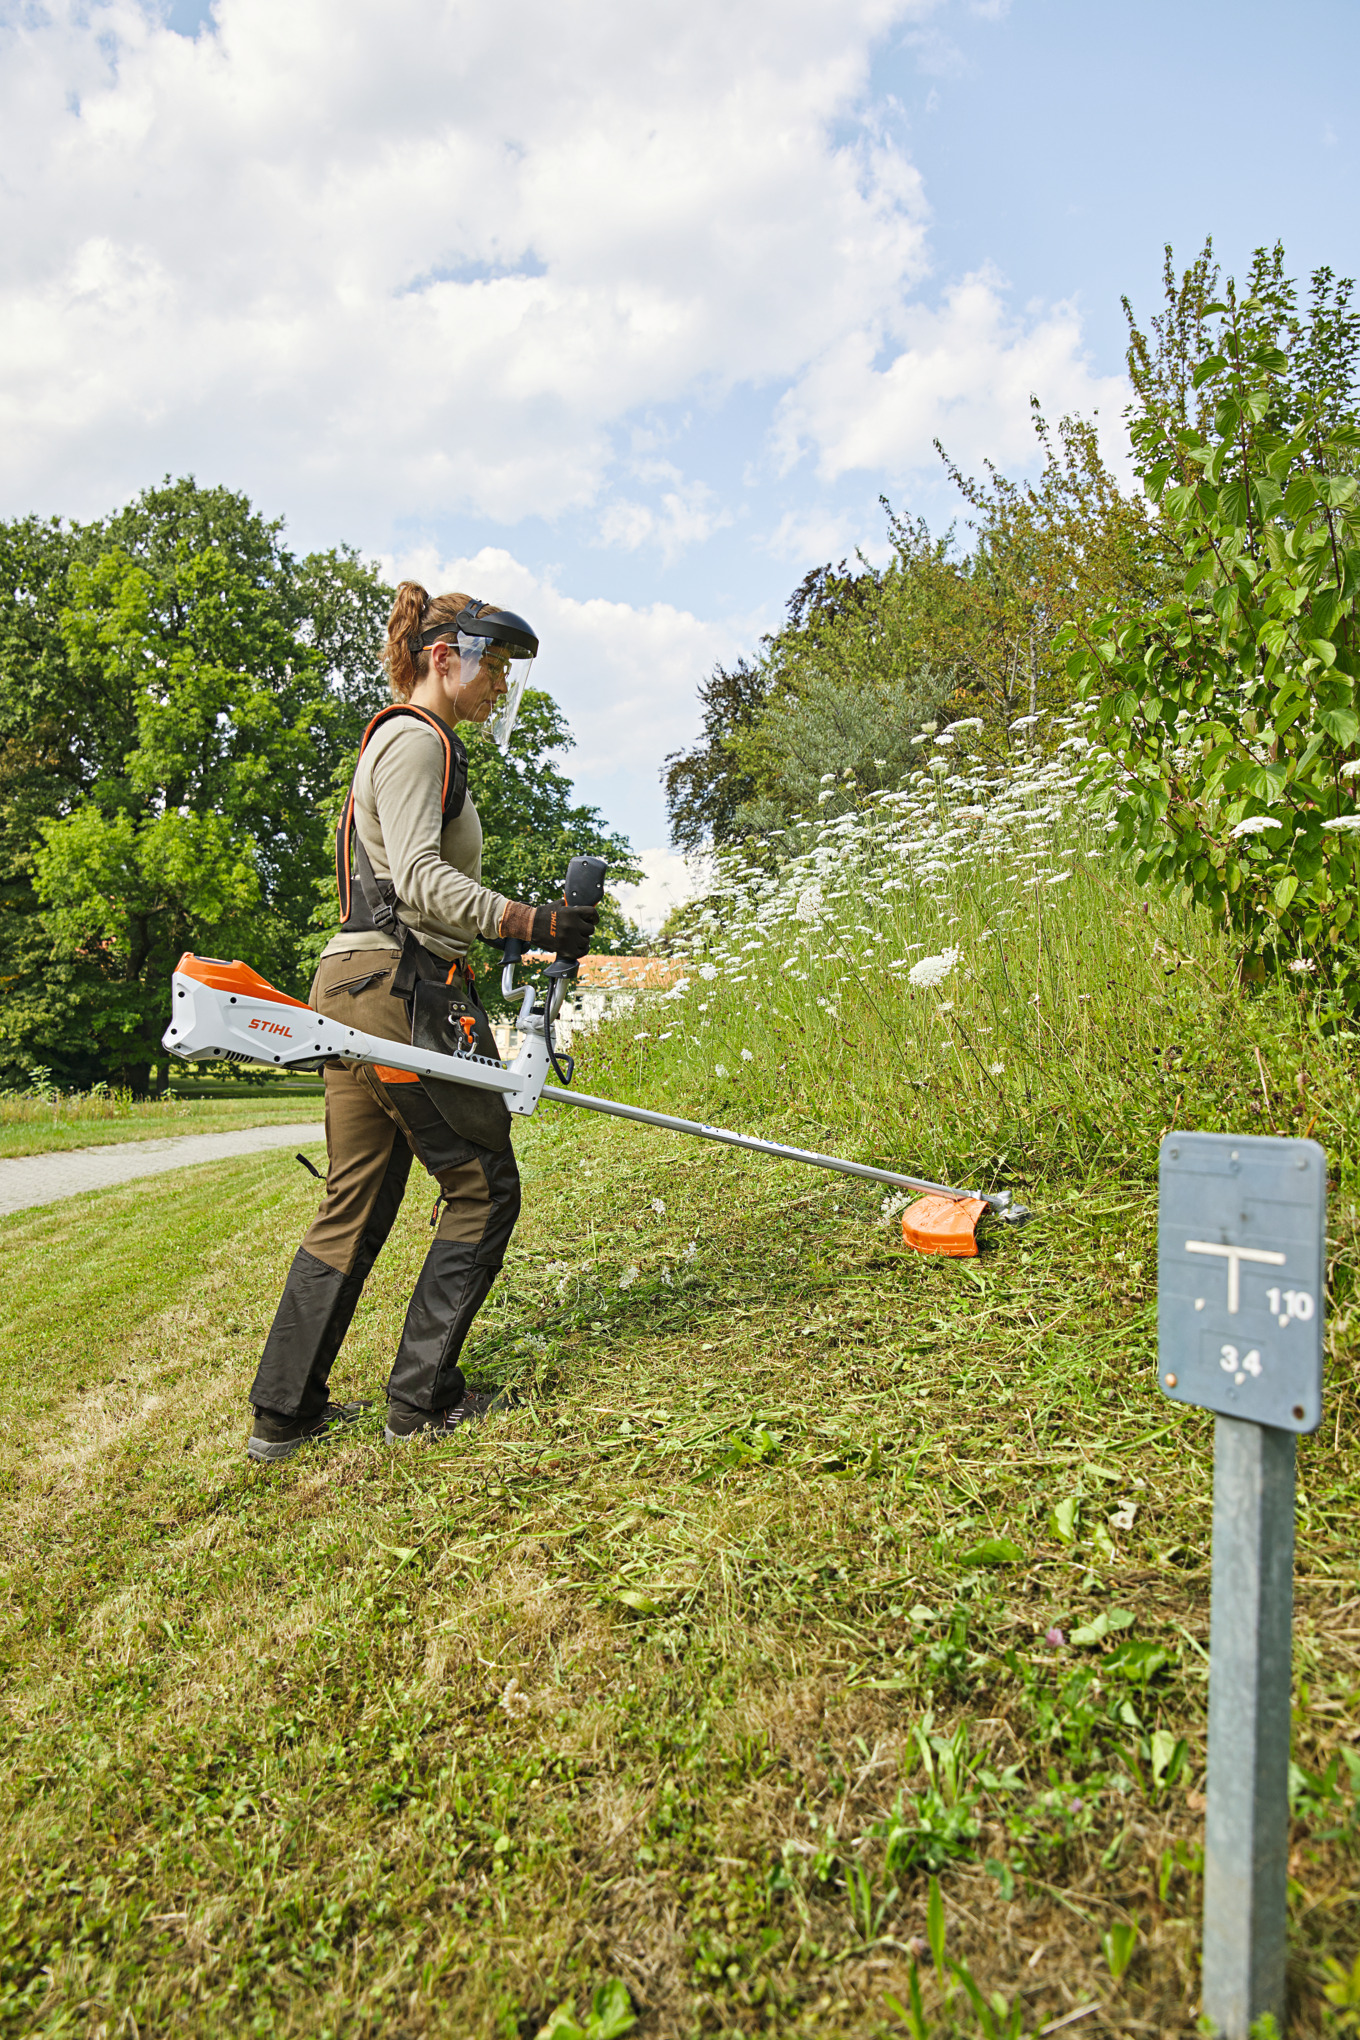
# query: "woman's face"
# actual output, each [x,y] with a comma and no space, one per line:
[472,700]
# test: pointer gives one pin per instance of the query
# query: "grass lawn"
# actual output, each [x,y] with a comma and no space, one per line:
[691,1673]
[31,1126]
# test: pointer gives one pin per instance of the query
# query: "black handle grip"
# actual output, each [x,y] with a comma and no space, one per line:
[585,881]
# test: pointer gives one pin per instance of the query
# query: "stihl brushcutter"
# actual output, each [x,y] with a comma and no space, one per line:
[226,1011]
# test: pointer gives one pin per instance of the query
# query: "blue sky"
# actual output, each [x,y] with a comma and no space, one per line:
[636,344]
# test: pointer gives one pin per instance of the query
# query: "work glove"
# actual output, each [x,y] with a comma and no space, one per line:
[567,930]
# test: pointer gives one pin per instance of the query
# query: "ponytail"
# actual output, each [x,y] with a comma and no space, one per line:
[412,613]
[402,625]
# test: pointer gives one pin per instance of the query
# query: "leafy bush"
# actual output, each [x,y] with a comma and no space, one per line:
[1231,707]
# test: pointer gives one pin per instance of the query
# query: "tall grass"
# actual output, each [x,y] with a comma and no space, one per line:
[960,976]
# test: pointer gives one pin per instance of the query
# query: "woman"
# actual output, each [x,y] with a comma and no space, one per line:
[408,871]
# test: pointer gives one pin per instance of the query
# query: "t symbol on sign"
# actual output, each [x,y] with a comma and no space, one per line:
[1234,1256]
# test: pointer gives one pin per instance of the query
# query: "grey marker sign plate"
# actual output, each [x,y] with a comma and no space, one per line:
[1241,1240]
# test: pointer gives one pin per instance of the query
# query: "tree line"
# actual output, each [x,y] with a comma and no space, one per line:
[181,700]
[1207,618]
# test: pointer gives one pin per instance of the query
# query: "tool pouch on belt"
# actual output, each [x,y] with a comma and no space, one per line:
[449,1019]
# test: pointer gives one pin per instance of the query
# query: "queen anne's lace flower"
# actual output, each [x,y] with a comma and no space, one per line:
[1343,825]
[1254,825]
[933,970]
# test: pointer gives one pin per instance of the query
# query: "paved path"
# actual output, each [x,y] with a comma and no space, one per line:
[43,1179]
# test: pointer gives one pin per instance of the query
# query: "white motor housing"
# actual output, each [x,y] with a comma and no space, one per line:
[227,1010]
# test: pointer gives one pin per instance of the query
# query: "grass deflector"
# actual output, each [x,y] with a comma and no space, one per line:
[228,1011]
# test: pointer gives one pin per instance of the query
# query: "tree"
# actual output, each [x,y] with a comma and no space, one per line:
[1231,706]
[175,690]
[706,786]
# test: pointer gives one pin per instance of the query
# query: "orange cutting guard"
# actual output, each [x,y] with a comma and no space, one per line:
[943,1225]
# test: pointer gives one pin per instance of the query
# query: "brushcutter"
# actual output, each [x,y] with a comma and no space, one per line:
[227,1011]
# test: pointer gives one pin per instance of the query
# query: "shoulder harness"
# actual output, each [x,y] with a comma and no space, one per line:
[367,902]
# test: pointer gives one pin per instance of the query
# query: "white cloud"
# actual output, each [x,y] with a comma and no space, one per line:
[366,256]
[624,675]
[689,513]
[963,372]
[669,879]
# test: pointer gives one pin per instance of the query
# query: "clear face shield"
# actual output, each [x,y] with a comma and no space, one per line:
[509,644]
[500,724]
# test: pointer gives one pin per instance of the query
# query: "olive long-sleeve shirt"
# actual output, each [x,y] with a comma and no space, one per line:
[436,871]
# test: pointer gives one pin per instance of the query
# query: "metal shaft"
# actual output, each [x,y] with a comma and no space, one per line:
[1246,1829]
[774,1148]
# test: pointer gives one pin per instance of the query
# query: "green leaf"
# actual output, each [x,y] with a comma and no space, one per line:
[935,1925]
[1118,1944]
[1234,503]
[1168,1754]
[643,1603]
[1322,648]
[993,1551]
[611,2012]
[1341,723]
[1064,1518]
[1214,365]
[1285,891]
[561,2025]
[1300,497]
[1097,1631]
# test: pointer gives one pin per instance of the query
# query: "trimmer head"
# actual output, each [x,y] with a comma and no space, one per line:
[943,1225]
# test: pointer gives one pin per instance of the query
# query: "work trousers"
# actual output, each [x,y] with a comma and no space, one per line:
[375,1121]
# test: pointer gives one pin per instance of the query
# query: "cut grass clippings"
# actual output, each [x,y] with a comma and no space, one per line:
[807,1571]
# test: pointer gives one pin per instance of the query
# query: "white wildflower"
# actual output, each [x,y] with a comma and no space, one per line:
[1349,771]
[629,1275]
[720,1069]
[944,1005]
[996,1069]
[809,904]
[659,1206]
[1058,878]
[691,1250]
[747,1056]
[969,722]
[1254,825]
[1025,722]
[708,972]
[827,778]
[933,970]
[642,1037]
[1343,825]
[1301,965]
[894,1205]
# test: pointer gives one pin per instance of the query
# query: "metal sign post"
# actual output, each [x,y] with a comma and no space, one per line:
[1240,1288]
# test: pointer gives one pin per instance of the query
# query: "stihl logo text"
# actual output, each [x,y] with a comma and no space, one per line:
[272,1027]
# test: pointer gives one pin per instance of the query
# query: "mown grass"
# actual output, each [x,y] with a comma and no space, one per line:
[689,1673]
[36,1126]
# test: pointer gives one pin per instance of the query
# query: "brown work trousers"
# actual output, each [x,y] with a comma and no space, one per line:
[375,1122]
